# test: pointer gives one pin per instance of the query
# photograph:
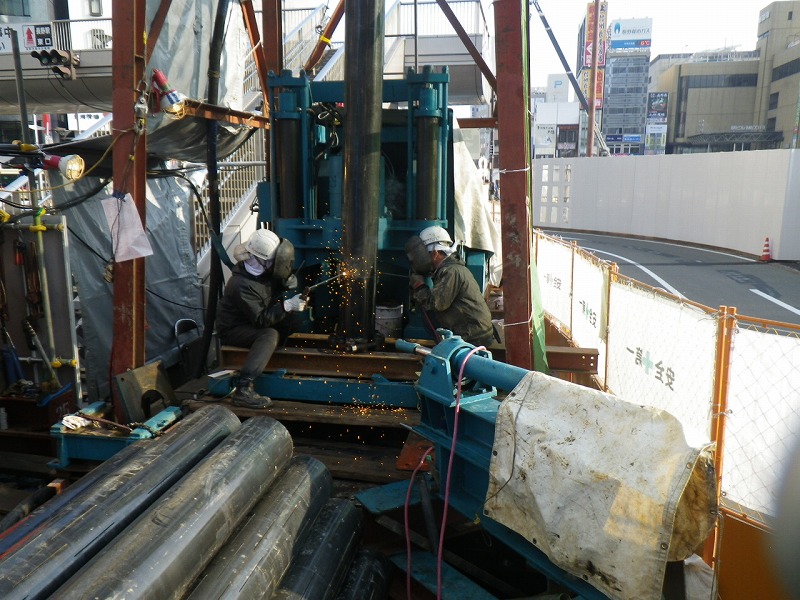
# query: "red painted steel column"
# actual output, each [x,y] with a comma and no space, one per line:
[272,25]
[129,168]
[513,127]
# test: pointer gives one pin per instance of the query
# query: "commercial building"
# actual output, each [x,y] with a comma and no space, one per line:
[626,79]
[726,100]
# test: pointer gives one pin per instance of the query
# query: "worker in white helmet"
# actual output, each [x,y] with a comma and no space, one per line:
[251,313]
[455,298]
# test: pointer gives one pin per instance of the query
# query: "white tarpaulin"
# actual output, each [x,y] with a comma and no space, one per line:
[473,220]
[608,490]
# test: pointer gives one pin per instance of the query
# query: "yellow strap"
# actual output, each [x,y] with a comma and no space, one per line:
[324,39]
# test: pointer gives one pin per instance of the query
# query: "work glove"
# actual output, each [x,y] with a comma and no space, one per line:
[75,422]
[416,281]
[295,303]
[290,283]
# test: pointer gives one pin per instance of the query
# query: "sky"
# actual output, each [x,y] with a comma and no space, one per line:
[678,26]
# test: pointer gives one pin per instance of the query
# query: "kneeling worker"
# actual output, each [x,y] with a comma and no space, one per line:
[251,313]
[455,297]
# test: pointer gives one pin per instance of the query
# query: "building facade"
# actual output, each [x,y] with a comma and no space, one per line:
[727,100]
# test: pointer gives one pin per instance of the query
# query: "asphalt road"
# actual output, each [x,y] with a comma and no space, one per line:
[766,290]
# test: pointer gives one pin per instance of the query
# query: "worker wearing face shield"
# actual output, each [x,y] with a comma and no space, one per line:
[455,298]
[252,313]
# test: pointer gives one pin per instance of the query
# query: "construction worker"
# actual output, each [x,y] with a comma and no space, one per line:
[455,298]
[251,313]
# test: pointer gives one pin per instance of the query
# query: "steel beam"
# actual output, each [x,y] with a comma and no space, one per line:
[467,41]
[129,172]
[511,47]
[204,110]
[325,363]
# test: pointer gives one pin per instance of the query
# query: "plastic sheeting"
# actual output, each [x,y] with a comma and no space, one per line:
[172,285]
[473,220]
[608,490]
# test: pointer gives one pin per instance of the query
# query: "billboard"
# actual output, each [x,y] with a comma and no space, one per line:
[589,35]
[655,138]
[544,138]
[657,107]
[630,34]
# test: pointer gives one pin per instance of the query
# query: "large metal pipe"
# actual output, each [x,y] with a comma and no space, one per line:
[362,153]
[252,564]
[368,578]
[56,539]
[322,562]
[169,545]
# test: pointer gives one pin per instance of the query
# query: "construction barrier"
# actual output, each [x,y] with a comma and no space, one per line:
[727,377]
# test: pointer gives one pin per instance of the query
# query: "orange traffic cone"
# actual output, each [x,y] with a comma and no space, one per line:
[766,253]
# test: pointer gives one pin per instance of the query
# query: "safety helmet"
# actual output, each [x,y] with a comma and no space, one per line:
[435,235]
[263,243]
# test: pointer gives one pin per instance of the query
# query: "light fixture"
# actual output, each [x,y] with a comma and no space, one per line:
[70,166]
[169,100]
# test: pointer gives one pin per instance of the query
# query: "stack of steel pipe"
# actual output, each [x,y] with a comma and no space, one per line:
[161,553]
[59,537]
[211,509]
[254,561]
[324,557]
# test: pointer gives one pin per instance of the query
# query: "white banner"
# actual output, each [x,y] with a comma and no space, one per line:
[590,308]
[554,265]
[661,354]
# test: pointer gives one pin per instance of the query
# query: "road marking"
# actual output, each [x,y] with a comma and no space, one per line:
[666,286]
[776,301]
[622,237]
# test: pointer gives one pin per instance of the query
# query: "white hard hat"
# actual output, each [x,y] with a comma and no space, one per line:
[435,235]
[263,243]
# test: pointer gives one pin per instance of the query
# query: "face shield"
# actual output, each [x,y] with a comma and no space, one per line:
[418,256]
[284,260]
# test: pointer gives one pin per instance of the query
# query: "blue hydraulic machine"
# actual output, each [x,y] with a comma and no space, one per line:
[303,199]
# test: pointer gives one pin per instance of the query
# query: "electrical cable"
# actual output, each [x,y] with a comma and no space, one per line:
[405,517]
[450,470]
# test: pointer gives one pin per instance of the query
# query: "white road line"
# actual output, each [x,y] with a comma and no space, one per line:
[666,286]
[622,237]
[776,301]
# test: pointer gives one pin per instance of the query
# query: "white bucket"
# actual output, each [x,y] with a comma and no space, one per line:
[389,320]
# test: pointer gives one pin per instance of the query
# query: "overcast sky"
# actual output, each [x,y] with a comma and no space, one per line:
[678,26]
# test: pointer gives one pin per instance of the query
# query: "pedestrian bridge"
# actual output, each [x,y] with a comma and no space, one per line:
[91,39]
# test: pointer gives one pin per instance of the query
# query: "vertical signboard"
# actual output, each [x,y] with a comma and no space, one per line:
[588,41]
[656,124]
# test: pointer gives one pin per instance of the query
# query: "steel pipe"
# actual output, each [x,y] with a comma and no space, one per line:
[59,537]
[253,562]
[362,154]
[368,578]
[171,543]
[322,562]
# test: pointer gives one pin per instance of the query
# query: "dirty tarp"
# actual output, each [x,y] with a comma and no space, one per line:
[608,490]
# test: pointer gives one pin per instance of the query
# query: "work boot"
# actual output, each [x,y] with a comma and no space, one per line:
[246,397]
